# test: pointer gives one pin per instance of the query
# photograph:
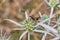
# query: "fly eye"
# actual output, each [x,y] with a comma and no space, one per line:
[37,18]
[34,18]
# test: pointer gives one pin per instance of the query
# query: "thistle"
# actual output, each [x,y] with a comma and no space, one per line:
[28,26]
[53,3]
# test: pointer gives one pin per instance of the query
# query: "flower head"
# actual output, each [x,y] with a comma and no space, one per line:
[53,3]
[28,26]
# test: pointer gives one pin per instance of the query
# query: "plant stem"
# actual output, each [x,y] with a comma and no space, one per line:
[51,14]
[44,36]
[28,35]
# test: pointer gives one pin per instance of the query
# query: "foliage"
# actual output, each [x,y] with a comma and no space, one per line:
[53,3]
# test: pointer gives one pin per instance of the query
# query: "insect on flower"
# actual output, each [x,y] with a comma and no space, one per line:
[28,26]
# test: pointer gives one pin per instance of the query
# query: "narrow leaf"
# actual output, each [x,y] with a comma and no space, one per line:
[24,33]
[18,24]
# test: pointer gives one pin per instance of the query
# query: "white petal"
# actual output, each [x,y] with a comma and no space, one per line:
[47,27]
[54,26]
[56,38]
[58,23]
[24,33]
[38,31]
[43,32]
[18,24]
[26,15]
[18,29]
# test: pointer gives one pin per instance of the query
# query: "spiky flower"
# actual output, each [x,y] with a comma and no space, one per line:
[53,3]
[29,26]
